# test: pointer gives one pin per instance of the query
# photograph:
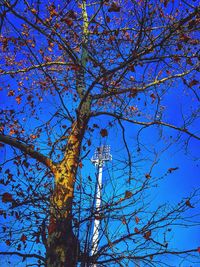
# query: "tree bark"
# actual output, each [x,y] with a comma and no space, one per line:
[62,245]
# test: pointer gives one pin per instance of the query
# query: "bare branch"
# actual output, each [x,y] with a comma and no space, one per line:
[27,149]
[147,124]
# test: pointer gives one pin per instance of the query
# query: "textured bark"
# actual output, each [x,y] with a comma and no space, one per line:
[62,245]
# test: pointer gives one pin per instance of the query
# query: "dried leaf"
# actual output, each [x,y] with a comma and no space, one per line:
[114,7]
[18,99]
[71,14]
[153,97]
[132,108]
[147,175]
[176,58]
[147,235]
[108,19]
[137,219]
[170,170]
[34,11]
[23,238]
[68,21]
[128,194]
[8,242]
[123,220]
[193,82]
[7,197]
[104,132]
[187,202]
[33,136]
[80,164]
[11,93]
[136,230]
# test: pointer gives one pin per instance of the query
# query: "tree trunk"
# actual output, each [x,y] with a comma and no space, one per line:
[62,245]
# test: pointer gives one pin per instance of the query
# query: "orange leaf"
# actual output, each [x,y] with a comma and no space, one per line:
[18,99]
[132,108]
[34,11]
[33,136]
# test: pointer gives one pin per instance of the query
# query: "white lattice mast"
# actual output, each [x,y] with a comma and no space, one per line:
[101,155]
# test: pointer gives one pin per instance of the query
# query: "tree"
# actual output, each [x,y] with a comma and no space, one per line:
[65,68]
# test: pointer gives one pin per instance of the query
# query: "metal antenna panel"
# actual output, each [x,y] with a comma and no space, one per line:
[101,155]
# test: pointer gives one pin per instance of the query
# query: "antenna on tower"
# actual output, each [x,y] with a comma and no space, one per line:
[101,155]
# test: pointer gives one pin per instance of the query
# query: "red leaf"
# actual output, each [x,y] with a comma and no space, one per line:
[198,249]
[104,133]
[6,197]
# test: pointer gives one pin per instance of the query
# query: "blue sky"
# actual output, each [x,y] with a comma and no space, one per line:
[154,144]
